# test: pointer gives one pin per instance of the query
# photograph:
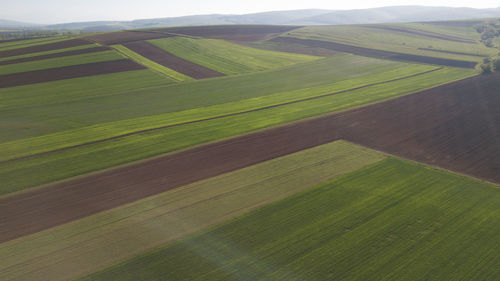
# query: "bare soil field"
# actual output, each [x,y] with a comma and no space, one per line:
[455,126]
[121,37]
[375,53]
[44,47]
[56,55]
[236,33]
[422,33]
[167,59]
[67,72]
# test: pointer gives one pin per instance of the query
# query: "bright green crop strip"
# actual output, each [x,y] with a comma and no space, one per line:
[393,220]
[64,164]
[54,141]
[49,52]
[171,74]
[226,57]
[109,237]
[59,62]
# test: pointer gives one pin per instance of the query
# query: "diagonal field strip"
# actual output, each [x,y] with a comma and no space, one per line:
[213,118]
[107,238]
[171,61]
[362,51]
[151,64]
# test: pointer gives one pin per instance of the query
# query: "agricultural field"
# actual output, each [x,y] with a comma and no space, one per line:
[392,220]
[250,152]
[226,57]
[126,141]
[415,39]
[176,213]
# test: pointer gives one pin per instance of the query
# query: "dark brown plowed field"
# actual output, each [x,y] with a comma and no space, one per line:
[121,37]
[56,55]
[44,47]
[166,59]
[375,53]
[422,33]
[231,32]
[67,72]
[456,126]
[452,52]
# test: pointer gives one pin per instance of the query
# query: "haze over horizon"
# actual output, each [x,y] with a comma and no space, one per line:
[58,11]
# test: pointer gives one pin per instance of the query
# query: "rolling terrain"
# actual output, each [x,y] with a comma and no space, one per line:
[288,149]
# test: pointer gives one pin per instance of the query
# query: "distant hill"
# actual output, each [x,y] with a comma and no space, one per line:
[294,17]
[6,24]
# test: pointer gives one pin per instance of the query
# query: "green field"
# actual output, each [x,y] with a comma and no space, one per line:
[59,62]
[112,236]
[395,41]
[337,211]
[226,57]
[25,107]
[63,164]
[393,220]
[48,142]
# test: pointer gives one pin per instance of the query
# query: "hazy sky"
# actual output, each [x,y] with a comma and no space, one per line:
[57,11]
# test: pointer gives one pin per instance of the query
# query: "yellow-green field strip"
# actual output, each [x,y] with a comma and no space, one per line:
[151,64]
[107,238]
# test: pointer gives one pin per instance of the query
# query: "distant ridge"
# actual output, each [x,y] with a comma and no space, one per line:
[293,17]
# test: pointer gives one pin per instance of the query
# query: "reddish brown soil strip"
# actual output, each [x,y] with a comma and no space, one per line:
[231,32]
[44,47]
[67,72]
[422,33]
[375,53]
[56,55]
[452,52]
[121,37]
[166,59]
[211,118]
[456,126]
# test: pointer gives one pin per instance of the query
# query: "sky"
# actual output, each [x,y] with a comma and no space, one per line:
[60,11]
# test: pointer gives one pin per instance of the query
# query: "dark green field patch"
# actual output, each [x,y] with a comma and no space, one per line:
[394,220]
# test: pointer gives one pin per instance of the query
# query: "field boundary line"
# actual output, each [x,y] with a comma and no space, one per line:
[214,118]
